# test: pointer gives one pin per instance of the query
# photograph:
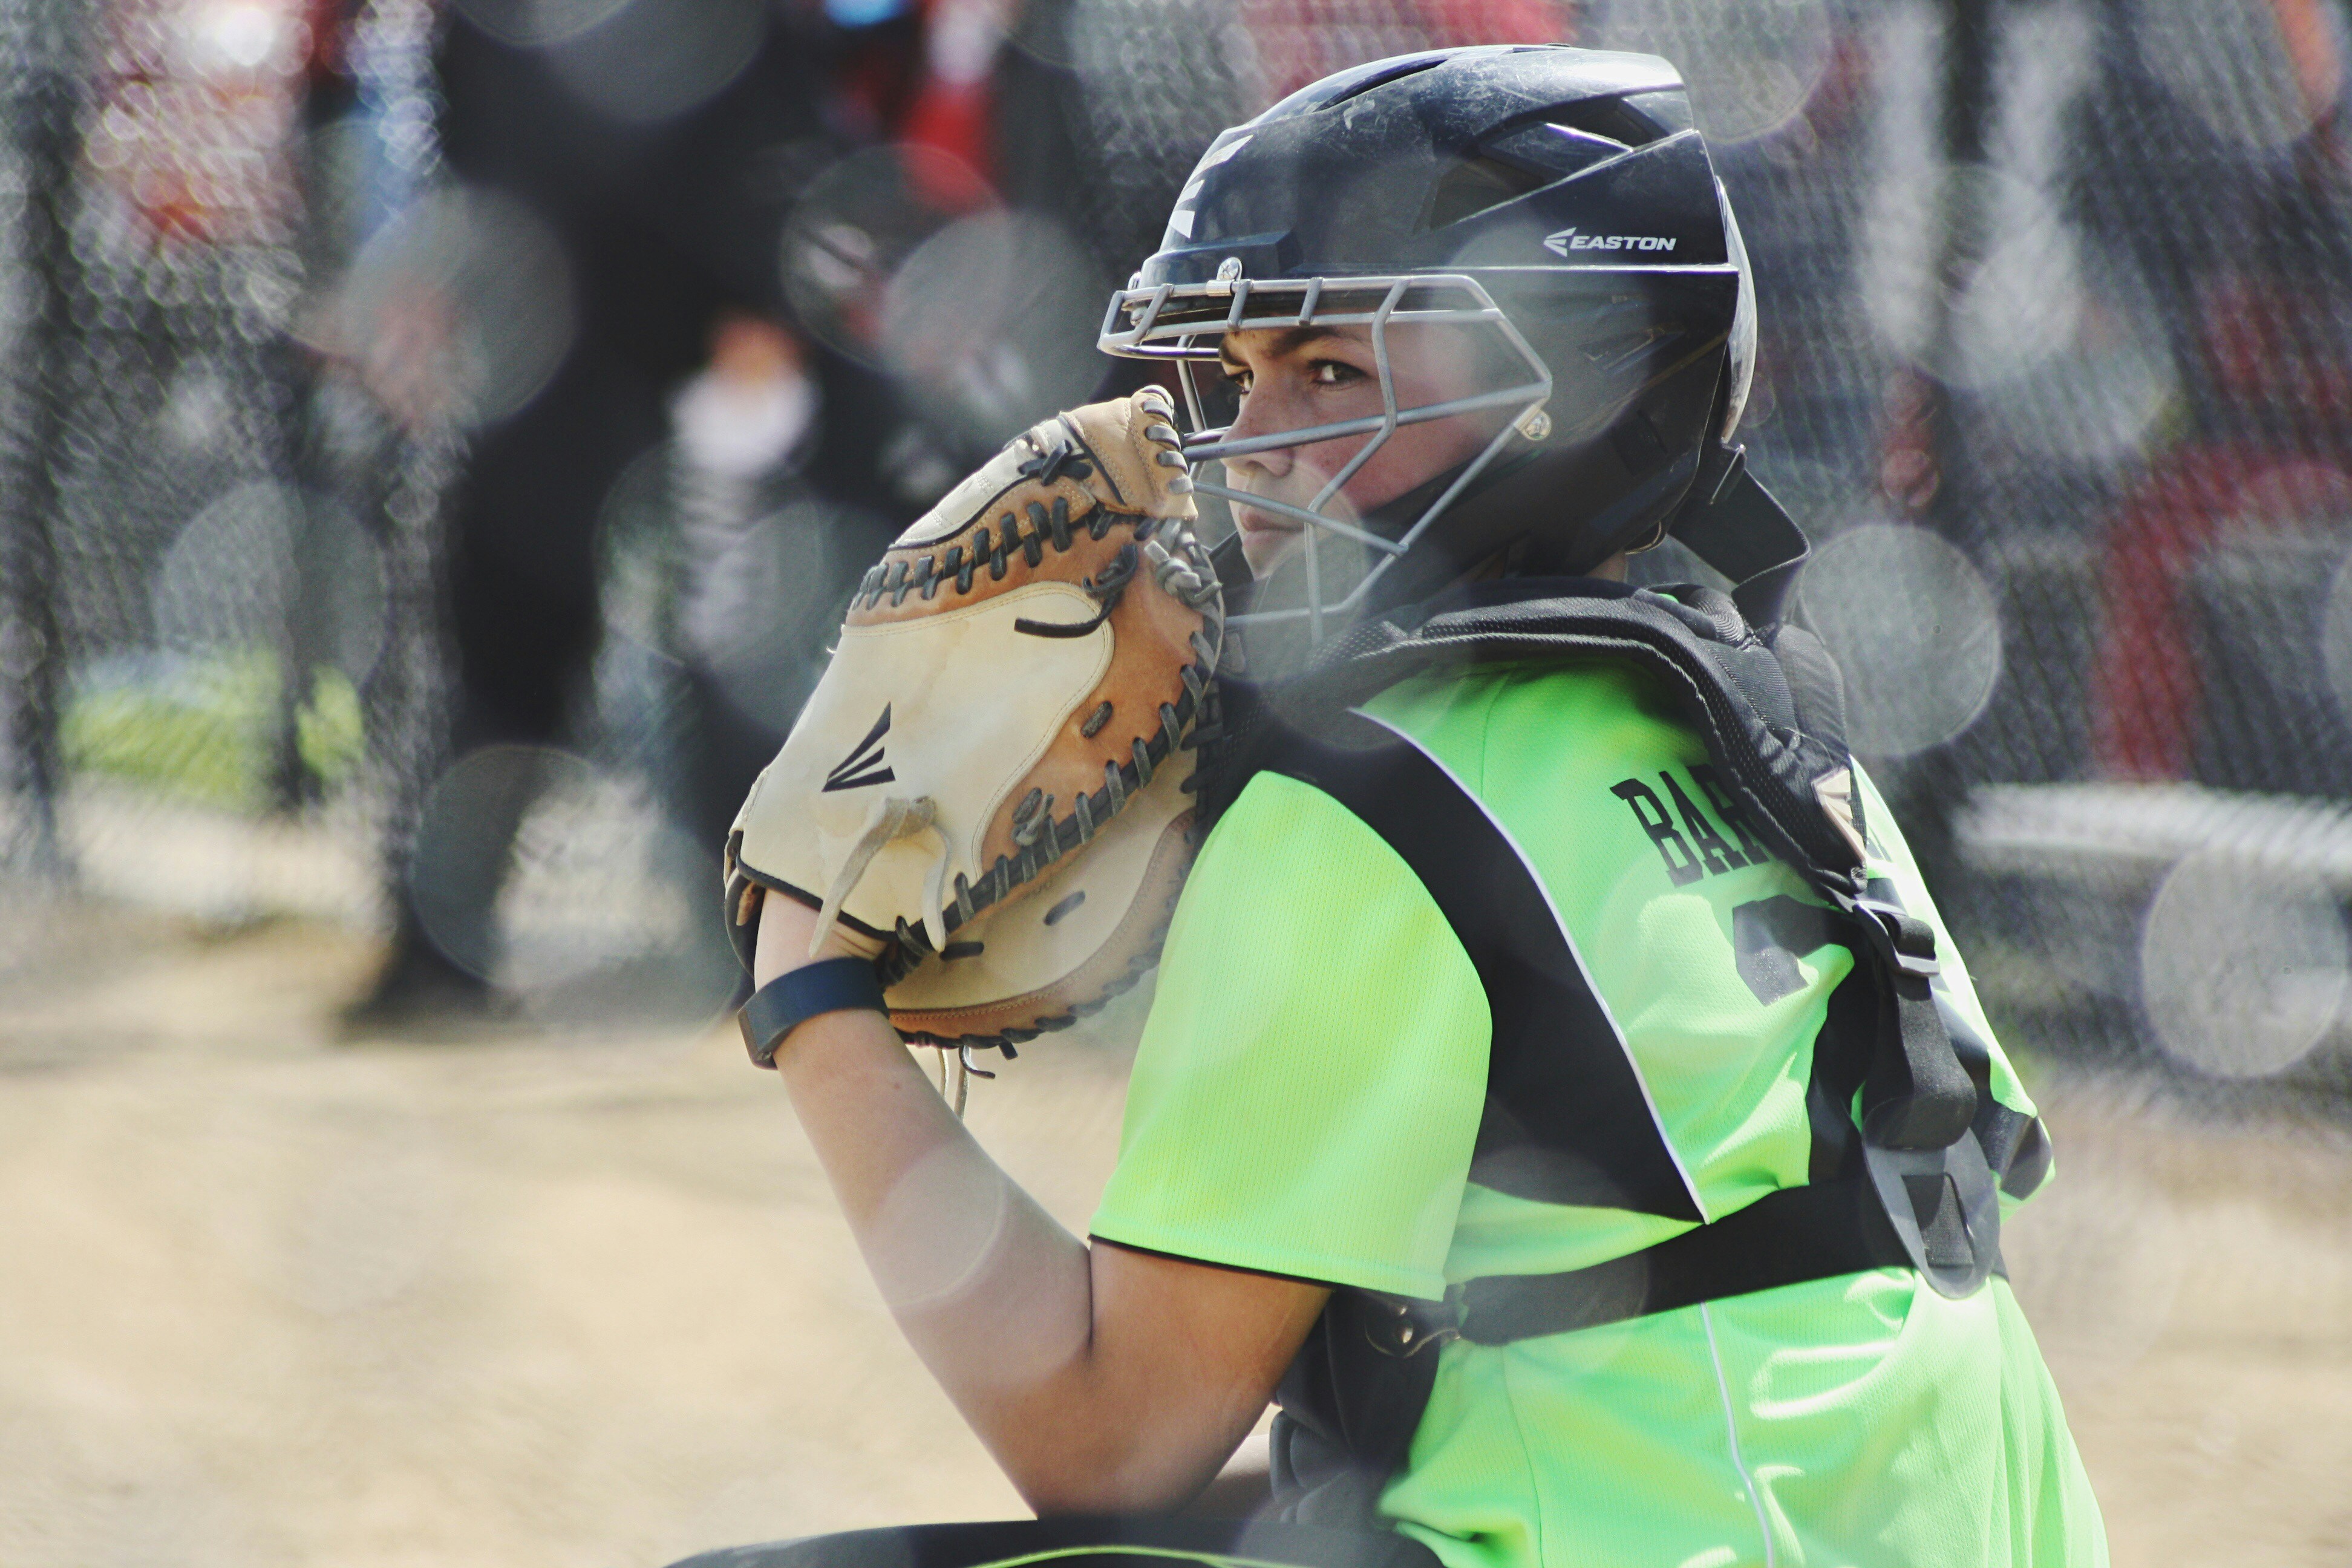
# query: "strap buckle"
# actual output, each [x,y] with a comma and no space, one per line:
[1904,940]
[1403,1327]
[1944,1206]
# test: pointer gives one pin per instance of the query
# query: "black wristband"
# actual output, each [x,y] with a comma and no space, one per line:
[793,998]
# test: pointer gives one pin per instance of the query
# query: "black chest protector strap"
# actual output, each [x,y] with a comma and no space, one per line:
[1566,1120]
[1766,711]
[1918,1187]
[1819,1231]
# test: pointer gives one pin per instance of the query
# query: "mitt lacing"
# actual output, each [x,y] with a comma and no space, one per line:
[1105,587]
[1184,572]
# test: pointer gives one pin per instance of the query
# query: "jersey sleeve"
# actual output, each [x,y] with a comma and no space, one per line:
[1311,1080]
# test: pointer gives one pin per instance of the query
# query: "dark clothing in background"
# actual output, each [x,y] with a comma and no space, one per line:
[665,226]
[668,222]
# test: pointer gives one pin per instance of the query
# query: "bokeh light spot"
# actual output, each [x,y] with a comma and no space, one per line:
[991,323]
[566,885]
[853,226]
[657,58]
[2104,402]
[935,1233]
[1750,64]
[537,23]
[2097,1263]
[2243,965]
[262,566]
[2230,63]
[460,307]
[2335,639]
[226,579]
[1914,628]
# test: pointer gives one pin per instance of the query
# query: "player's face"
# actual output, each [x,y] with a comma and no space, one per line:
[1292,378]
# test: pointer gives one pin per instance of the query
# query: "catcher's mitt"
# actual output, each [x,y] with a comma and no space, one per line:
[1009,713]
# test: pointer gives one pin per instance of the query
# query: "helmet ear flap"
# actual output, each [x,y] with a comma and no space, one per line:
[1717,456]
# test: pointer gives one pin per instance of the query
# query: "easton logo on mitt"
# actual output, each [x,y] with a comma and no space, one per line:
[991,786]
[863,766]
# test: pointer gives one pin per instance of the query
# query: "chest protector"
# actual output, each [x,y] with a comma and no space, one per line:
[1910,1149]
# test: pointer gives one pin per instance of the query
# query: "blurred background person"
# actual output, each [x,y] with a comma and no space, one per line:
[655,155]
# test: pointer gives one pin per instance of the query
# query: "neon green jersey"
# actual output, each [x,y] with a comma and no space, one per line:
[1308,1096]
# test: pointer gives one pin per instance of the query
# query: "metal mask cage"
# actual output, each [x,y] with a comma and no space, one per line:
[1184,322]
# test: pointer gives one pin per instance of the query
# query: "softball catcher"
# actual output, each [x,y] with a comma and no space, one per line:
[1561,1095]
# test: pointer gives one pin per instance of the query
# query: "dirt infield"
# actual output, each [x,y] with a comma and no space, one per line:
[265,1300]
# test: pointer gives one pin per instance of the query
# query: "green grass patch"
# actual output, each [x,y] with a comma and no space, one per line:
[205,729]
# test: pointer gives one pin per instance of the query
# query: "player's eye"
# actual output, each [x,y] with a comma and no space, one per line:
[1332,372]
[1237,374]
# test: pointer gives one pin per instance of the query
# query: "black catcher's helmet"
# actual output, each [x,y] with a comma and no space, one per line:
[1559,198]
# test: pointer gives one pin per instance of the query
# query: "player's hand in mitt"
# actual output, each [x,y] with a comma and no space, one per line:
[989,789]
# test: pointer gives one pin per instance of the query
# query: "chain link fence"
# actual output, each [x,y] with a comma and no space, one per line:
[220,555]
[2056,367]
[2063,398]
[2054,326]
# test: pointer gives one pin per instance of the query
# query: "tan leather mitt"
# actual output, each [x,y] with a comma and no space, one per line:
[989,786]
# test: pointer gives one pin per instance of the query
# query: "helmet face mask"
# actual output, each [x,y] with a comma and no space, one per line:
[1187,324]
[1553,203]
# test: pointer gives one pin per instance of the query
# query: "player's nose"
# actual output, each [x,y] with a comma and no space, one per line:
[1257,418]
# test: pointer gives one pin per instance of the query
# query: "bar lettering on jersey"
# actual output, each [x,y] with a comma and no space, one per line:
[1714,852]
[1711,785]
[1688,840]
[1681,866]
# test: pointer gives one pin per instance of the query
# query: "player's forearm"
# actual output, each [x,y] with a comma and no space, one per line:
[936,1219]
[996,1298]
